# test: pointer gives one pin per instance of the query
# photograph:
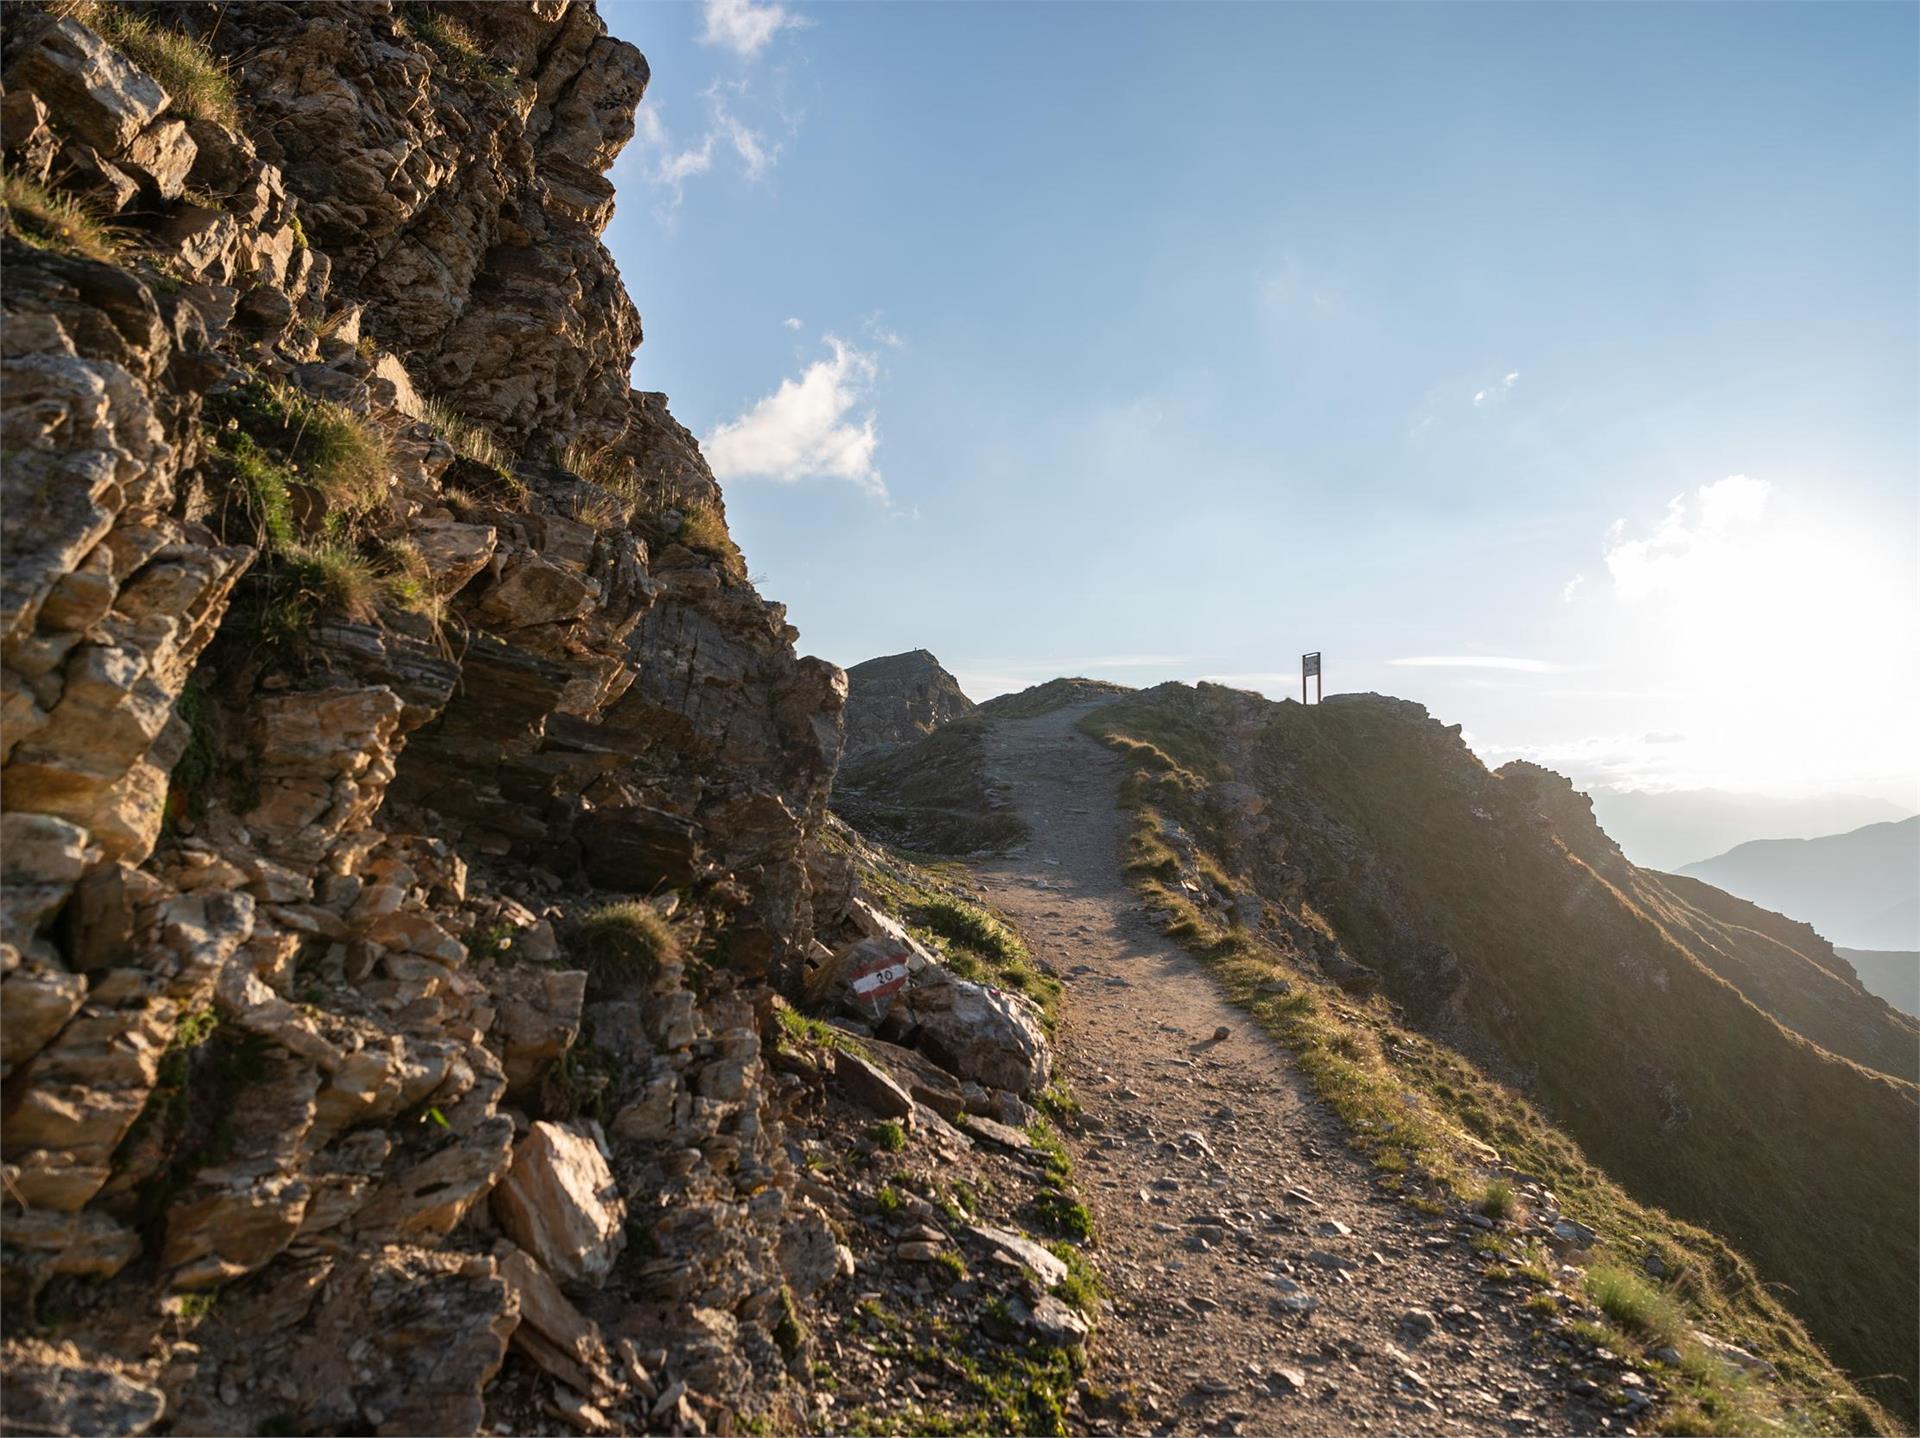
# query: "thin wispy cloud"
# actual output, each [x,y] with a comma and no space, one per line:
[819,425]
[744,27]
[668,159]
[1481,661]
[792,322]
[1571,588]
[1494,393]
[670,164]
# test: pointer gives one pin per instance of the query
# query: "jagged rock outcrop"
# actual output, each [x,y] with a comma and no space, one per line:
[898,698]
[363,637]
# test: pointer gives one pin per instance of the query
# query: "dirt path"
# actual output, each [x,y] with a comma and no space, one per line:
[1225,1197]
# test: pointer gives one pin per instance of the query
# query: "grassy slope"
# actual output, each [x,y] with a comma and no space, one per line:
[930,796]
[1785,968]
[1689,1095]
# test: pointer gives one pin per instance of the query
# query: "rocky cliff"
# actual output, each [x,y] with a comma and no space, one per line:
[898,698]
[408,800]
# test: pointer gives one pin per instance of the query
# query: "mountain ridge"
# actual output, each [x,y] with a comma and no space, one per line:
[1364,834]
[1498,923]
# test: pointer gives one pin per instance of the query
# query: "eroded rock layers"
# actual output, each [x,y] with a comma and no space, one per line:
[407,797]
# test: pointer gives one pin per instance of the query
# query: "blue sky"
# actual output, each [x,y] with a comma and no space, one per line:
[1574,346]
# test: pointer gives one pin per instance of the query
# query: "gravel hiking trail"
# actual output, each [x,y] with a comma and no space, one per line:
[1256,1280]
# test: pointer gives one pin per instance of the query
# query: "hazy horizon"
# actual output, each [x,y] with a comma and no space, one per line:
[1553,367]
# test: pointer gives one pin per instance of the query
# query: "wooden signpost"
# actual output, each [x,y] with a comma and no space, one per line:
[1310,665]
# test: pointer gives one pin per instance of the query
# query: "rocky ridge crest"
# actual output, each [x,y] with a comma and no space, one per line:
[898,698]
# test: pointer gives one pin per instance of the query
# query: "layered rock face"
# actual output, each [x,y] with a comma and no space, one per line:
[899,698]
[372,654]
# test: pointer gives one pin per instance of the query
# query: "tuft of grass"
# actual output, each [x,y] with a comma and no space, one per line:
[1065,1215]
[335,576]
[981,947]
[326,445]
[1081,1287]
[1635,1304]
[1058,1102]
[264,482]
[196,81]
[703,529]
[802,1029]
[1597,1335]
[49,220]
[408,582]
[1534,1265]
[469,438]
[888,1135]
[195,1306]
[625,944]
[1545,1304]
[457,46]
[602,511]
[952,1265]
[1497,1200]
[890,1201]
[599,466]
[1058,1169]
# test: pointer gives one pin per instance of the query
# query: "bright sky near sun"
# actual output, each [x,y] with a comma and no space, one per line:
[1552,365]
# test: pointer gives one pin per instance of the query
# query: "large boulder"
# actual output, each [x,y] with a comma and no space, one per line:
[559,1202]
[979,1033]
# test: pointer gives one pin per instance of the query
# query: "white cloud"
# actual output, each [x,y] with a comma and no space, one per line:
[1572,587]
[1481,661]
[815,427]
[877,331]
[792,322]
[1694,539]
[1494,393]
[744,27]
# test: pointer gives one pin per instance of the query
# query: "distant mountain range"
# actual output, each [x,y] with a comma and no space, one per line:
[1680,827]
[1861,888]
